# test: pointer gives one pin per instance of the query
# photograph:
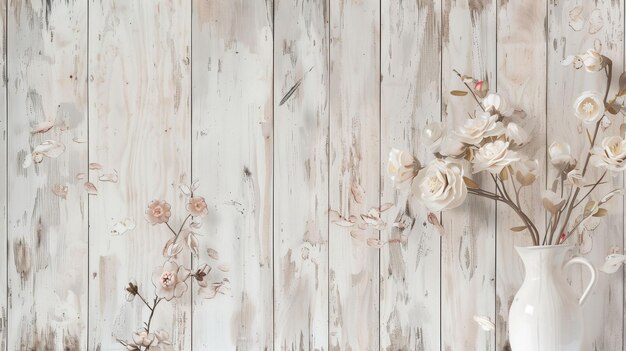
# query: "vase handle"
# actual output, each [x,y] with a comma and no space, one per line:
[592,270]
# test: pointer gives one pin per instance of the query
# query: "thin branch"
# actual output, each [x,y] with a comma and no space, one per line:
[590,190]
[144,300]
[171,229]
[470,90]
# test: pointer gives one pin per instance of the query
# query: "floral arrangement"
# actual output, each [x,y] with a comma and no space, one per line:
[172,278]
[491,140]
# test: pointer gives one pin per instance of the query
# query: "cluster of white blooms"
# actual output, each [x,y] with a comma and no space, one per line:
[490,140]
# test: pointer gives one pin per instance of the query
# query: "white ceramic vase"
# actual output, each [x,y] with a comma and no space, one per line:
[546,314]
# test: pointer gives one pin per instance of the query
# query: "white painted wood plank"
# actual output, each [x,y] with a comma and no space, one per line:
[233,160]
[301,175]
[522,81]
[139,127]
[355,164]
[410,89]
[468,246]
[602,26]
[47,270]
[4,305]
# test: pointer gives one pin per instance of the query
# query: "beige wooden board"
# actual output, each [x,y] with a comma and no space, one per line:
[3,182]
[301,44]
[47,275]
[521,80]
[232,143]
[410,98]
[354,172]
[284,111]
[468,247]
[601,26]
[139,128]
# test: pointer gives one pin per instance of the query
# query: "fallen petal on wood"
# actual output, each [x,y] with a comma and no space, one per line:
[109,177]
[213,254]
[50,148]
[42,127]
[613,263]
[90,188]
[60,190]
[123,226]
[485,323]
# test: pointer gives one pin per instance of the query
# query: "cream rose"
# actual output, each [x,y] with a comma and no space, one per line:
[432,135]
[440,185]
[611,154]
[475,129]
[402,168]
[495,103]
[589,107]
[451,146]
[493,157]
[561,154]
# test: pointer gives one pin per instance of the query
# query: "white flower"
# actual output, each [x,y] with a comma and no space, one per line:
[169,280]
[526,171]
[493,157]
[591,60]
[402,168]
[589,107]
[452,146]
[516,134]
[131,290]
[440,185]
[141,337]
[551,201]
[611,154]
[575,177]
[475,129]
[432,135]
[561,154]
[495,103]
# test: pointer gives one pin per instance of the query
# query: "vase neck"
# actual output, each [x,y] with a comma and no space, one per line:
[539,260]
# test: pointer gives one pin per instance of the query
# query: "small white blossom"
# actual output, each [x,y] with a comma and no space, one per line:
[589,107]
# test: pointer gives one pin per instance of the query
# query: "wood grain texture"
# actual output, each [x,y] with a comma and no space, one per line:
[232,144]
[521,80]
[410,98]
[354,164]
[301,175]
[284,111]
[468,246]
[603,29]
[46,70]
[4,243]
[139,127]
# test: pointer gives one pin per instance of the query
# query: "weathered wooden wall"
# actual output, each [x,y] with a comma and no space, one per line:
[284,111]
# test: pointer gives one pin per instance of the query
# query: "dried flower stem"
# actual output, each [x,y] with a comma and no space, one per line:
[152,309]
[571,203]
[493,196]
[470,90]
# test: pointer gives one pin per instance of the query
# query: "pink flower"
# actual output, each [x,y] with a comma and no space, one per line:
[158,212]
[197,206]
[169,280]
